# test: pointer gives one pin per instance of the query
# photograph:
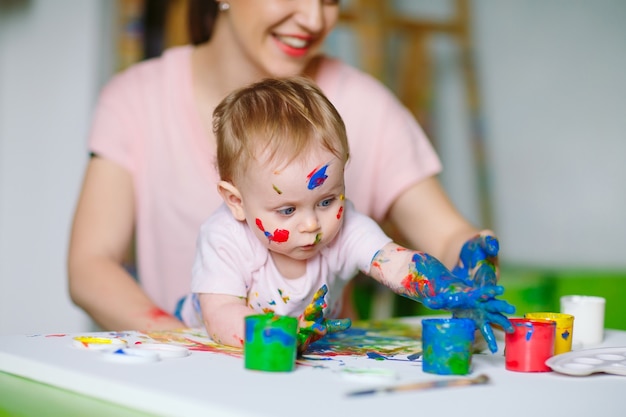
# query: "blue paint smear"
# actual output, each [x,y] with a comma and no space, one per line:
[374,355]
[529,332]
[318,178]
[447,345]
[278,335]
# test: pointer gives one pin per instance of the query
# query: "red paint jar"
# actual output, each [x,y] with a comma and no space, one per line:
[530,345]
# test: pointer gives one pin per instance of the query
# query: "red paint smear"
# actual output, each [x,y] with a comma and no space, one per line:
[313,172]
[407,282]
[156,313]
[339,212]
[56,335]
[280,236]
[423,284]
[259,224]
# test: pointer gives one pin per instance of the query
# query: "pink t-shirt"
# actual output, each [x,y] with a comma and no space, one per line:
[231,260]
[146,121]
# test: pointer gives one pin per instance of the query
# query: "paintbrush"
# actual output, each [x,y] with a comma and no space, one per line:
[418,386]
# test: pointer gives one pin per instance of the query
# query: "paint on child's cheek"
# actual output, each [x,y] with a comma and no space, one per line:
[317,177]
[279,235]
[340,212]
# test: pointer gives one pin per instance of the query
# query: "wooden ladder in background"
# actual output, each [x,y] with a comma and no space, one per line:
[376,24]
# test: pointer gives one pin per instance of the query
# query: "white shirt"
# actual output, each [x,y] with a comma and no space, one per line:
[231,260]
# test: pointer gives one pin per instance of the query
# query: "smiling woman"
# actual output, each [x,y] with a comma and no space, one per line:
[152,173]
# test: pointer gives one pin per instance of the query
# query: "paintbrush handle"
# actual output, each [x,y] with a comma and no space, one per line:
[418,386]
[442,383]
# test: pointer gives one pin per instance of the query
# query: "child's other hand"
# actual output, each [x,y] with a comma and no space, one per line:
[479,304]
[478,260]
[475,300]
[312,324]
[484,318]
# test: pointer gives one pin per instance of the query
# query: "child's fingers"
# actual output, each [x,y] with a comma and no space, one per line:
[337,325]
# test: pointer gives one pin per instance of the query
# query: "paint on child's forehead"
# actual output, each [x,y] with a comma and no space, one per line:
[279,235]
[317,177]
[276,189]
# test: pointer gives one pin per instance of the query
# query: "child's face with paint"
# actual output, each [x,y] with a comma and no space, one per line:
[295,209]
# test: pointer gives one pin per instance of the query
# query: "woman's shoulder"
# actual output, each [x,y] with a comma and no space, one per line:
[337,78]
[147,75]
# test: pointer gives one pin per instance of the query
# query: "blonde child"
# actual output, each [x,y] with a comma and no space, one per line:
[287,240]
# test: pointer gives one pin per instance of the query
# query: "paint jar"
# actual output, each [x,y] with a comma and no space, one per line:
[270,343]
[530,345]
[447,345]
[564,329]
[588,314]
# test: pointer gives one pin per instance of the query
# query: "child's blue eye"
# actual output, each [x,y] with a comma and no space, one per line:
[286,211]
[327,202]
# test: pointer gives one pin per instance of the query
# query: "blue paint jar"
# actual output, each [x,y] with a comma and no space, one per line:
[447,345]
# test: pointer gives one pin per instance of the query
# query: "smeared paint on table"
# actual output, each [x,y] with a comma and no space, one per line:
[379,340]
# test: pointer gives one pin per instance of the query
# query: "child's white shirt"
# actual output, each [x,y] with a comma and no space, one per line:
[231,260]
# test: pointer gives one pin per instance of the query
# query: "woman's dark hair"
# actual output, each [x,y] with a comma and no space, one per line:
[201,19]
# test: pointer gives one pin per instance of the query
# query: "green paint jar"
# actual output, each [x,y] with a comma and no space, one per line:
[270,343]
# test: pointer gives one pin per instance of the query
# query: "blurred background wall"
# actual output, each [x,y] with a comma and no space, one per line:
[533,141]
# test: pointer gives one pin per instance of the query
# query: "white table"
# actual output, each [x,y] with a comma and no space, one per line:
[207,383]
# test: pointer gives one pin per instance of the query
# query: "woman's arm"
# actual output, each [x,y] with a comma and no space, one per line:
[101,235]
[429,221]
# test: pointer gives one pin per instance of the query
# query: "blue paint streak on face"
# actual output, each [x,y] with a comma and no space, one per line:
[318,178]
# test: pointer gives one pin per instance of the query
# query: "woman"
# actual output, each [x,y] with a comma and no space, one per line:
[152,175]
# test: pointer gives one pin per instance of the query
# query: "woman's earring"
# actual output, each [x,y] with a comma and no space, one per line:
[224,6]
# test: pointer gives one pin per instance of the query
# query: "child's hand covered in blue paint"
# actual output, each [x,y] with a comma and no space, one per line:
[312,324]
[431,283]
[487,314]
[478,260]
[478,267]
[475,300]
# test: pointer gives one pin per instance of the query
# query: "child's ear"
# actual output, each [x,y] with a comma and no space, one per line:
[232,198]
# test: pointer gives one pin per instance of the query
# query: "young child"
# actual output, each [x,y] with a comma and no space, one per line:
[286,239]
